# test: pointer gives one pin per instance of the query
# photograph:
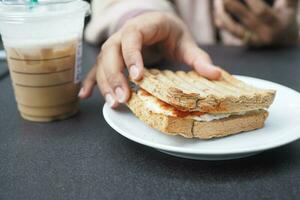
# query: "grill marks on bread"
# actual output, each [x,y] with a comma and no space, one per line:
[188,91]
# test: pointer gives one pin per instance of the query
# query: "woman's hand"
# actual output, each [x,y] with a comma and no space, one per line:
[123,50]
[259,23]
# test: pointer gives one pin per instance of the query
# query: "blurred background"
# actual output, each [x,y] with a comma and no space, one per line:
[87,19]
[195,29]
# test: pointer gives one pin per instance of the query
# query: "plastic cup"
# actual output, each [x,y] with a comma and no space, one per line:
[43,45]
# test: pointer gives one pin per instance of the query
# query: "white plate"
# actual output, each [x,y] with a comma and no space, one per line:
[282,127]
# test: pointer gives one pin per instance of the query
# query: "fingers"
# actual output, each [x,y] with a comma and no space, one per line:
[132,42]
[108,73]
[259,7]
[255,21]
[247,18]
[111,75]
[137,33]
[224,21]
[88,84]
[237,8]
[260,22]
[105,89]
[263,11]
[193,56]
[177,42]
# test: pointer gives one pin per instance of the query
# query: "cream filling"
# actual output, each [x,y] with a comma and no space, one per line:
[210,117]
[152,104]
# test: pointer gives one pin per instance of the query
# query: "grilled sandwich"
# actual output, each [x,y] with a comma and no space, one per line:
[187,104]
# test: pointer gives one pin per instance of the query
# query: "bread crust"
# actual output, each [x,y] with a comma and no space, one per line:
[190,128]
[188,91]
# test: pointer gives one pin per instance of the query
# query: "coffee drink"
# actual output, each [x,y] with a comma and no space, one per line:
[43,43]
[45,79]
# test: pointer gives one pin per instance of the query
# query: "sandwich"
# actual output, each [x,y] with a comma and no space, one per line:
[187,104]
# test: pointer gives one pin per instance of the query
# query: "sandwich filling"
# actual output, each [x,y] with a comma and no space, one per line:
[155,105]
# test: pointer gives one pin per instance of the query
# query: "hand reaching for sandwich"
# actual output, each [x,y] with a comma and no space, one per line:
[259,24]
[123,50]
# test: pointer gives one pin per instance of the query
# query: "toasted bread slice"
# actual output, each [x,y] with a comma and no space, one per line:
[190,128]
[189,91]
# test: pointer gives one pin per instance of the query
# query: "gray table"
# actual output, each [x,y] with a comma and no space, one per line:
[83,158]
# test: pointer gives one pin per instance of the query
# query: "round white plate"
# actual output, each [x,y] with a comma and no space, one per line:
[281,127]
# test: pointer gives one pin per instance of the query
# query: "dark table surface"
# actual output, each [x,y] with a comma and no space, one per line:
[83,158]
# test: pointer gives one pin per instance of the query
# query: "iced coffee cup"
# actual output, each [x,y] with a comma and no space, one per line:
[43,43]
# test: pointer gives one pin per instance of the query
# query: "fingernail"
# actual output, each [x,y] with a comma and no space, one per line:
[81,92]
[217,72]
[209,66]
[110,100]
[134,72]
[120,94]
[217,69]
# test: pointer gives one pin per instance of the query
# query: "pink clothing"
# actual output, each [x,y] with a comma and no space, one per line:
[197,14]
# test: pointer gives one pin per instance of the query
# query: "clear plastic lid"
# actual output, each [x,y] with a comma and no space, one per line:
[22,10]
